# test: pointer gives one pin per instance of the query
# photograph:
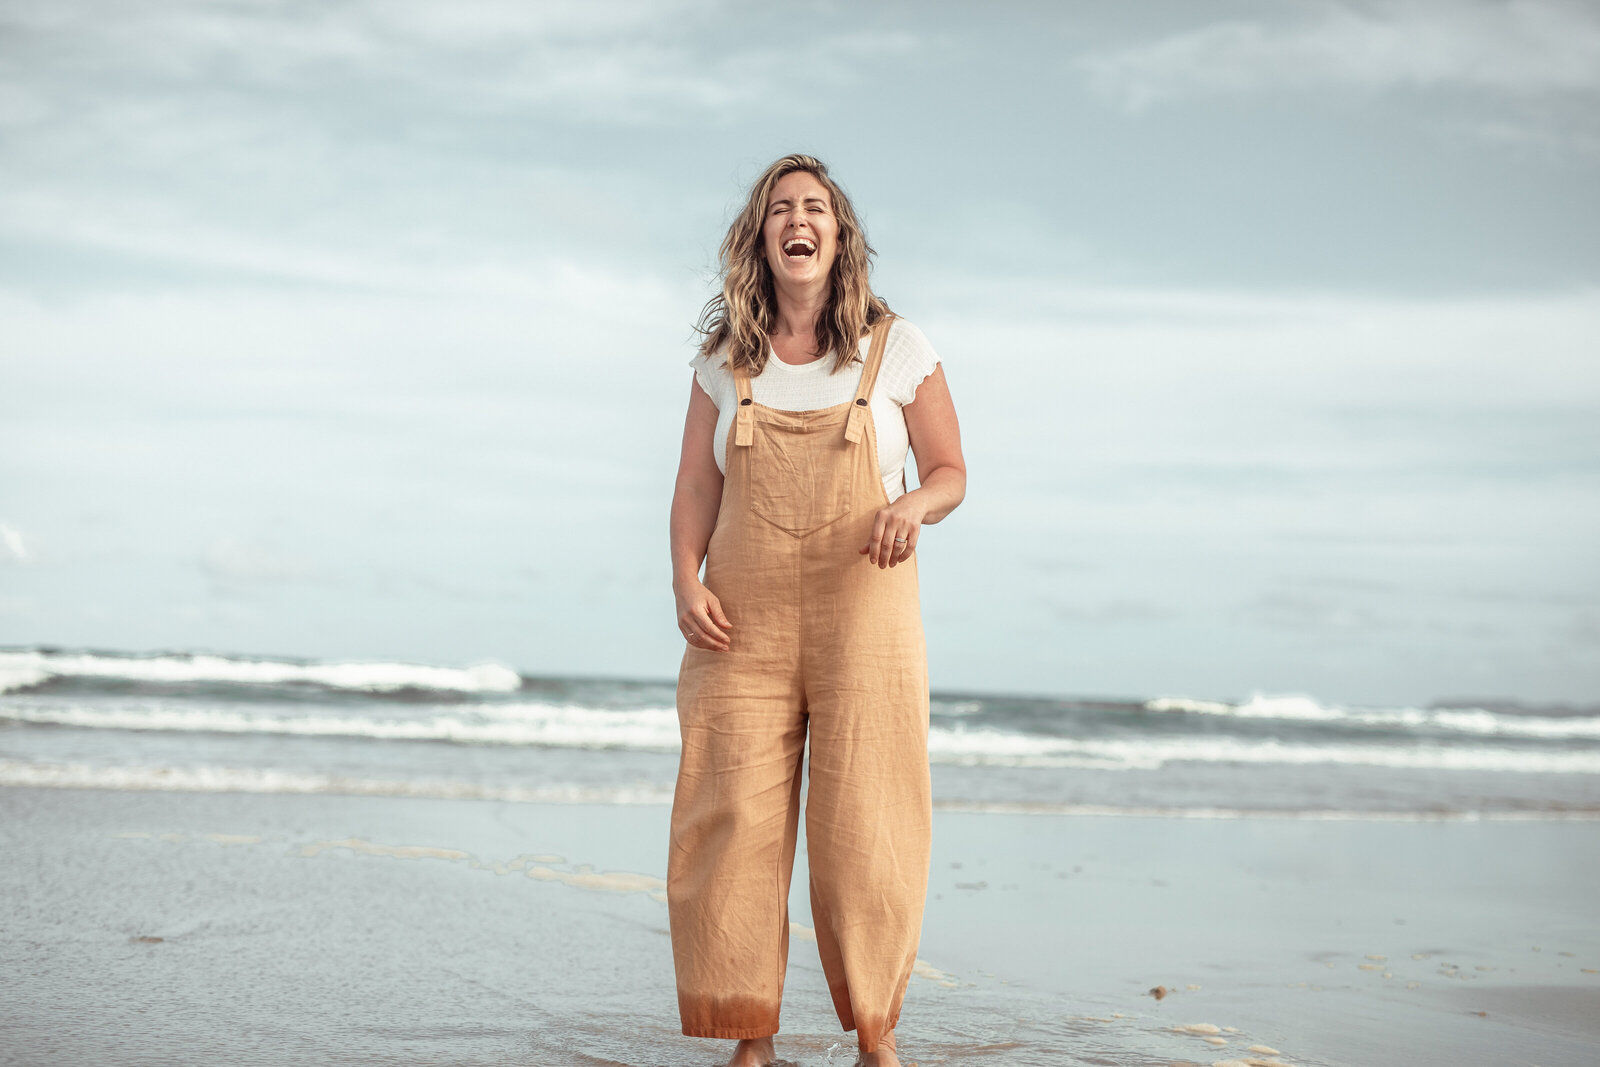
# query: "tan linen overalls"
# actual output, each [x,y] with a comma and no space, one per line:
[824,640]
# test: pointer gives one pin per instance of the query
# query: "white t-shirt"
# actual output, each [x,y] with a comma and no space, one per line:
[908,358]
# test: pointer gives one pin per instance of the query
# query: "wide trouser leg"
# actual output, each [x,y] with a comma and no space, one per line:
[869,810]
[734,821]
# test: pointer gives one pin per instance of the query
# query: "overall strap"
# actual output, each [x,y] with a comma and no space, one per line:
[869,375]
[743,417]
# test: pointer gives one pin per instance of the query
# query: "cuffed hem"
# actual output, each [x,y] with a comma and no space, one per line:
[734,1032]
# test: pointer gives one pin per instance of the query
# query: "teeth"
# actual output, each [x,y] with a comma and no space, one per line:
[793,243]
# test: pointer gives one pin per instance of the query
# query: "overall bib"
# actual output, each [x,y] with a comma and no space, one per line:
[826,643]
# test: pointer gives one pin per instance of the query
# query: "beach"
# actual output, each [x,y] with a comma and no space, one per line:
[149,926]
[368,500]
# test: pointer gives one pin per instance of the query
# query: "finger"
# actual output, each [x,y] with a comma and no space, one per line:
[902,548]
[697,631]
[912,532]
[719,622]
[876,546]
[879,522]
[886,546]
[711,635]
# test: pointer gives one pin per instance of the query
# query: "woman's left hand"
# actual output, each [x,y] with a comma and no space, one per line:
[894,531]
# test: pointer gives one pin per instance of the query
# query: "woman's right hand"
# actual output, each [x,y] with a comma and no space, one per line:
[700,618]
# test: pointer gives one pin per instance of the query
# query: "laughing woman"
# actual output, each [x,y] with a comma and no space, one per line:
[807,395]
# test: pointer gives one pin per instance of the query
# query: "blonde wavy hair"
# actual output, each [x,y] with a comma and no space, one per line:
[742,315]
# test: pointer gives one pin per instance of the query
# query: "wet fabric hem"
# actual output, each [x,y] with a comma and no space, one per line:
[733,1032]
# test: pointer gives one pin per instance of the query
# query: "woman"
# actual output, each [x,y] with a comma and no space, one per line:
[807,393]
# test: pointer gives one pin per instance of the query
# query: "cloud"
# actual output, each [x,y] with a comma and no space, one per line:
[12,545]
[1547,133]
[1517,47]
[232,558]
[1583,630]
[1312,614]
[631,63]
[1263,352]
[382,145]
[150,232]
[1111,612]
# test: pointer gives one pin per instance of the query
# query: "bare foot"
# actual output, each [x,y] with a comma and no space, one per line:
[883,1057]
[757,1052]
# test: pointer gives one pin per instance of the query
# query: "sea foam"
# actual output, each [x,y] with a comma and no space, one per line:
[1305,709]
[656,729]
[215,779]
[20,670]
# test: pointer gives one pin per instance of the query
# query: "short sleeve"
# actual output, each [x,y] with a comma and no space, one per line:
[907,361]
[706,375]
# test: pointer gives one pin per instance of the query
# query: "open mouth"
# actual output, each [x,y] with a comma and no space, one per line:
[799,249]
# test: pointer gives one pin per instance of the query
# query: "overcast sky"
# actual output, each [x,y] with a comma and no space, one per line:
[359,329]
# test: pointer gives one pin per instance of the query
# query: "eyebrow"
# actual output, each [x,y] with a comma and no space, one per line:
[809,200]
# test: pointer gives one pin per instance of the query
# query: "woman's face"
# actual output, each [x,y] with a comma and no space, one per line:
[801,234]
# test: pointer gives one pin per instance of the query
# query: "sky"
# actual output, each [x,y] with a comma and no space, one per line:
[355,329]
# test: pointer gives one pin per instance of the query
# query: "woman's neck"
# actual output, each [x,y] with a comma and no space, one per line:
[798,313]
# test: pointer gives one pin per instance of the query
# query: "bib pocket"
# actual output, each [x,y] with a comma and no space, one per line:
[802,473]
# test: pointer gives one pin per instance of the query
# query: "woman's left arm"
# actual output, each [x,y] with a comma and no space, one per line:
[941,470]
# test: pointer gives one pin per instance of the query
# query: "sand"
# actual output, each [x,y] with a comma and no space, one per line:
[164,928]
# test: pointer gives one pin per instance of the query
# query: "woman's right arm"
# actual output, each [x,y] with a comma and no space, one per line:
[696,499]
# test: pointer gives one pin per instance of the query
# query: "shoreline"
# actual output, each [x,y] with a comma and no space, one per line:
[19,774]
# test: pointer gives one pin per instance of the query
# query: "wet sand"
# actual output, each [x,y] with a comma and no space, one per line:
[164,928]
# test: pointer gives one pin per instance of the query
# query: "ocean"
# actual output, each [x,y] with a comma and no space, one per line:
[186,721]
